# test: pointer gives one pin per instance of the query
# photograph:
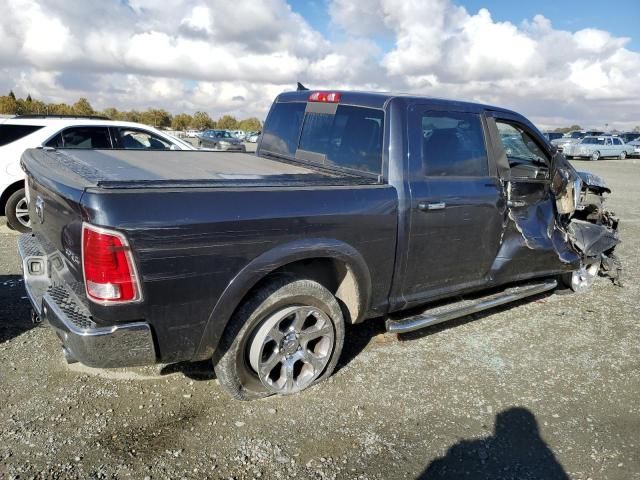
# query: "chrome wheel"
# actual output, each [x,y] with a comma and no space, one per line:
[22,212]
[291,348]
[623,155]
[595,156]
[583,278]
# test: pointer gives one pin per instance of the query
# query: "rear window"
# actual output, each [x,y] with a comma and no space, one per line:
[282,128]
[11,133]
[351,138]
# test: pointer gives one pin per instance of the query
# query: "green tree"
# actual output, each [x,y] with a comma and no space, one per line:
[83,107]
[156,117]
[182,121]
[8,105]
[202,121]
[60,109]
[112,113]
[12,95]
[250,125]
[227,122]
[29,99]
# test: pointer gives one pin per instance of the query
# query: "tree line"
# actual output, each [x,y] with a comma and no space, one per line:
[10,105]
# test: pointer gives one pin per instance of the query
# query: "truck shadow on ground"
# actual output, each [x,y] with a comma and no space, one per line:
[15,309]
[514,451]
[357,337]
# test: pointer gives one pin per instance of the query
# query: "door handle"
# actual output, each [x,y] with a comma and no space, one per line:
[424,206]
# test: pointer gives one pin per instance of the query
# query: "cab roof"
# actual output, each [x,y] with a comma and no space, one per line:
[381,99]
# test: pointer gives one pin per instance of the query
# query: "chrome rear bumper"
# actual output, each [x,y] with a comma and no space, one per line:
[119,345]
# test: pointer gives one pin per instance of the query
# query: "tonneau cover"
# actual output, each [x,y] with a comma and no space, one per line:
[174,168]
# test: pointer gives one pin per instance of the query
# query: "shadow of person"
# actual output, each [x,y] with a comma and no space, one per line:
[514,451]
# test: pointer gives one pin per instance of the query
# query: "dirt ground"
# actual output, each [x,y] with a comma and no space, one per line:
[545,389]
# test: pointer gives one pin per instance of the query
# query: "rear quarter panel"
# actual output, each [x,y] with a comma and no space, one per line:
[190,245]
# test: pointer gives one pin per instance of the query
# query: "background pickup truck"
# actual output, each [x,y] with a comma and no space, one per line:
[355,206]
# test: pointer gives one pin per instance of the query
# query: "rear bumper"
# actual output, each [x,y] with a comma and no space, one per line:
[57,303]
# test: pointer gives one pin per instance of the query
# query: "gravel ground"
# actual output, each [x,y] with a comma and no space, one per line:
[548,388]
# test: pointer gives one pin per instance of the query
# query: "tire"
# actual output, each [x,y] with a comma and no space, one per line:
[17,213]
[623,155]
[248,344]
[582,279]
[595,156]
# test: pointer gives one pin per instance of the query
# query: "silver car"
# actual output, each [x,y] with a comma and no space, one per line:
[595,148]
[220,140]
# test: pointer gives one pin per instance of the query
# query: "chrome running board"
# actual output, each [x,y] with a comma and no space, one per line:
[443,313]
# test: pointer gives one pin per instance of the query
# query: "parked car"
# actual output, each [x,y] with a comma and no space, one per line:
[29,131]
[192,133]
[636,147]
[629,136]
[220,140]
[553,135]
[239,134]
[573,137]
[596,148]
[355,206]
[253,137]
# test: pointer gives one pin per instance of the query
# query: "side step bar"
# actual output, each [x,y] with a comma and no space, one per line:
[440,314]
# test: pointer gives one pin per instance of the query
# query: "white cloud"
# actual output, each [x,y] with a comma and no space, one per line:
[234,57]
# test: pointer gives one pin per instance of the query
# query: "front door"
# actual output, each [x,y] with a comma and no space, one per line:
[457,207]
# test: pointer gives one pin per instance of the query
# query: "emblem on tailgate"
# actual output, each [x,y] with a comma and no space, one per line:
[40,209]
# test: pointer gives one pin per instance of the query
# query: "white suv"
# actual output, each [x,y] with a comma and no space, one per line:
[31,131]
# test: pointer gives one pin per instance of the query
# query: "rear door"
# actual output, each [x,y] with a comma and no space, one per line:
[457,206]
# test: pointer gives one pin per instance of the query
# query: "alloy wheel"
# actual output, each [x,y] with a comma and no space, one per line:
[291,348]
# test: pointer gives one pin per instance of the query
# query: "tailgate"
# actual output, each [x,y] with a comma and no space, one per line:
[54,208]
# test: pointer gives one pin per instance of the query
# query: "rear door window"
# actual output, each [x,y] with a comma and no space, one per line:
[453,145]
[11,133]
[351,138]
[82,137]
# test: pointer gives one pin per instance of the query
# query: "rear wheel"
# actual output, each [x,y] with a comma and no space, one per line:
[17,212]
[285,338]
[595,156]
[582,279]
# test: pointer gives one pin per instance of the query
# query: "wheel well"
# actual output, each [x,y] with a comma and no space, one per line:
[335,275]
[10,190]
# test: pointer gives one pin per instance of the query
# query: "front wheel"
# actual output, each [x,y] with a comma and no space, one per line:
[285,338]
[595,156]
[582,279]
[623,155]
[17,212]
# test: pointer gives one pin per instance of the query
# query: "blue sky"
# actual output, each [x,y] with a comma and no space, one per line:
[621,17]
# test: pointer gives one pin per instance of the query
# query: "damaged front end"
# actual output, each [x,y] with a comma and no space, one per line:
[591,229]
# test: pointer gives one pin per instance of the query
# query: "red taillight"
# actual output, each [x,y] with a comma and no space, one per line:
[109,273]
[327,97]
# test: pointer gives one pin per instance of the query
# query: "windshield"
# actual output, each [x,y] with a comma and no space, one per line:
[223,134]
[592,141]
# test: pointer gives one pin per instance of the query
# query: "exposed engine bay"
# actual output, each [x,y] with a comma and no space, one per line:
[590,228]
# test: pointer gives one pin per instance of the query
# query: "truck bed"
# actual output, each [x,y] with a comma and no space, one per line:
[174,169]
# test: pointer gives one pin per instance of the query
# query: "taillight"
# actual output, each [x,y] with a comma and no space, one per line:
[327,97]
[109,272]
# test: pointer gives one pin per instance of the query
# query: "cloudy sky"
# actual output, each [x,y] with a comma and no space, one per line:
[558,62]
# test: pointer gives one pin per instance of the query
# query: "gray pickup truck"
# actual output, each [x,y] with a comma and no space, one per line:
[356,206]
